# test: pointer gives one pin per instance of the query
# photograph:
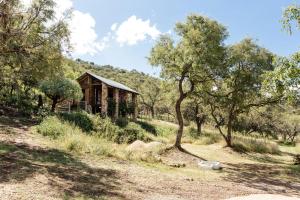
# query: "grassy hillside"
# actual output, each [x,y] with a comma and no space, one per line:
[133,78]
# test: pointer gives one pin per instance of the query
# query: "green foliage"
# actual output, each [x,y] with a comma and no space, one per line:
[81,119]
[192,131]
[81,143]
[291,13]
[123,109]
[284,80]
[30,50]
[122,122]
[240,89]
[53,127]
[130,133]
[111,106]
[197,55]
[60,89]
[126,132]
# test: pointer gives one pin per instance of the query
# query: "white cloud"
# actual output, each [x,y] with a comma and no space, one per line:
[83,36]
[134,30]
[114,26]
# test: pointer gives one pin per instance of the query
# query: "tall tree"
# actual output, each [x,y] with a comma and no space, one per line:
[192,59]
[31,44]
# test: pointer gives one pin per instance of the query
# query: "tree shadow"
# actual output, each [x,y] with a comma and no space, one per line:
[21,161]
[264,177]
[184,151]
[12,122]
[147,127]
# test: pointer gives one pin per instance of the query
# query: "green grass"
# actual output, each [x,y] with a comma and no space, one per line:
[247,144]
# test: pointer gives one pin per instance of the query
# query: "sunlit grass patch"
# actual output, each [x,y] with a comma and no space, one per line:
[248,144]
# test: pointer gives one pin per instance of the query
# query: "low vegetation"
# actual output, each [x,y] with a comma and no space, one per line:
[257,145]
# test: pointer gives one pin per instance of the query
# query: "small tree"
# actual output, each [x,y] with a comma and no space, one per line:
[61,89]
[241,88]
[193,59]
[152,94]
[195,110]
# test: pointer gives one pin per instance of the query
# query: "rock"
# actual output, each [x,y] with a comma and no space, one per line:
[153,145]
[214,165]
[137,145]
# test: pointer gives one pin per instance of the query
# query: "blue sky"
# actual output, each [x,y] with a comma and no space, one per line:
[258,19]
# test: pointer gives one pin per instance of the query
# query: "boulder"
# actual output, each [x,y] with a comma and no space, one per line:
[153,145]
[137,145]
[214,165]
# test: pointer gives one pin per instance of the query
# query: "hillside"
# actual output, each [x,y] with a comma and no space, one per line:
[133,78]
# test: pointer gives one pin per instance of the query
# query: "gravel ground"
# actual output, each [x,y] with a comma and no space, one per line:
[264,197]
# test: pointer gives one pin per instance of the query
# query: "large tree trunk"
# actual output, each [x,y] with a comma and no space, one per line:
[152,111]
[180,121]
[228,136]
[199,127]
[199,121]
[54,102]
[182,96]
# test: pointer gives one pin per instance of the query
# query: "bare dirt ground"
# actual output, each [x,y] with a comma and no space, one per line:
[31,170]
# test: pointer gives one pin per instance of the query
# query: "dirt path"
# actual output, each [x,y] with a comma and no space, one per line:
[29,170]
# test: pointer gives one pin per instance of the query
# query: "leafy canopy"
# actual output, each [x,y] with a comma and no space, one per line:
[61,89]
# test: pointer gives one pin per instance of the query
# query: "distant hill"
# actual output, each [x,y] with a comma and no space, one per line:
[133,78]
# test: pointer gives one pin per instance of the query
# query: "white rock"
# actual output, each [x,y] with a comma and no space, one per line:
[214,165]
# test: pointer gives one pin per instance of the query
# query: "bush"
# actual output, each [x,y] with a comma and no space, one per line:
[120,134]
[122,122]
[71,138]
[130,133]
[80,119]
[247,144]
[53,127]
[81,143]
[192,131]
[105,127]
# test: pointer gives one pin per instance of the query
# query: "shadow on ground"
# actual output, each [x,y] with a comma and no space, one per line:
[20,161]
[269,178]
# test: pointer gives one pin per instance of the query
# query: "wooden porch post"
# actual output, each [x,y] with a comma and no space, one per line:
[134,101]
[117,99]
[104,99]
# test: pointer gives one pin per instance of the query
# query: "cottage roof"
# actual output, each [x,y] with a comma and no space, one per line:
[110,82]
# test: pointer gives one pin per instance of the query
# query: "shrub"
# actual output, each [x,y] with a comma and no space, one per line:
[122,133]
[130,133]
[80,119]
[247,144]
[81,143]
[53,127]
[122,122]
[105,127]
[192,131]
